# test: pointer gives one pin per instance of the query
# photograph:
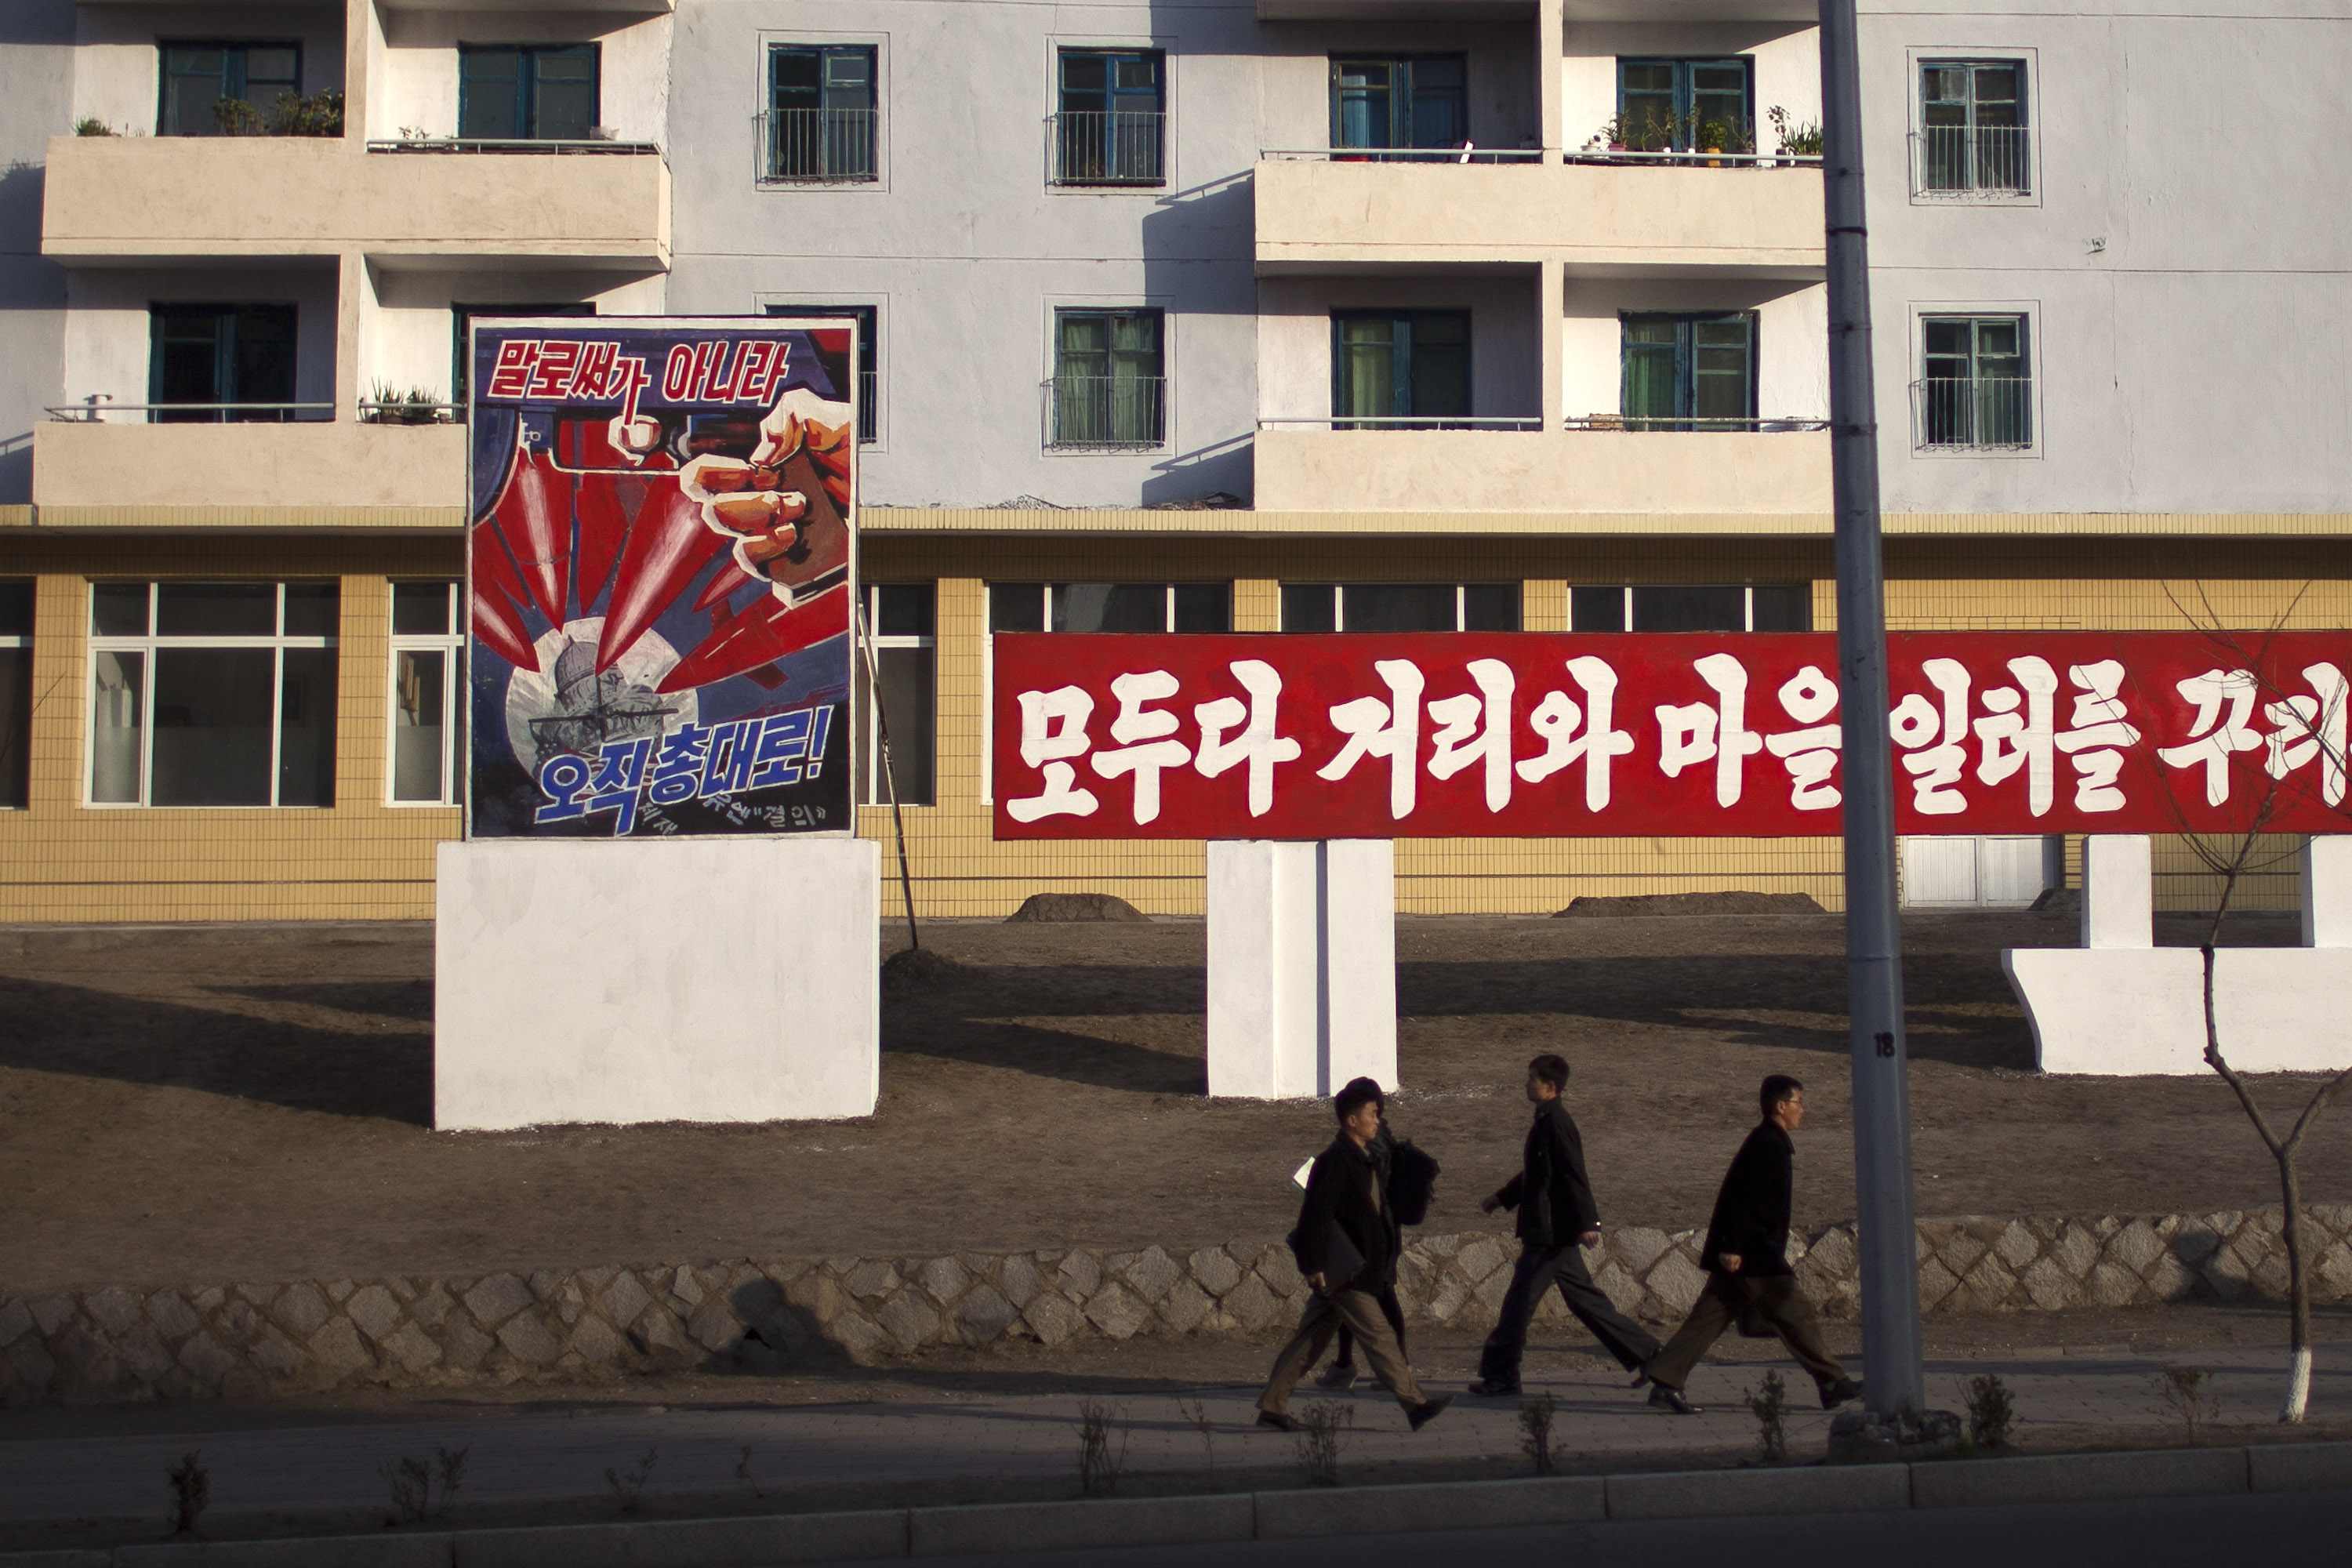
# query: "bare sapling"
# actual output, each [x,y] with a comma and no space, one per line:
[1196,1415]
[1536,1418]
[1099,1463]
[2187,1395]
[1322,1429]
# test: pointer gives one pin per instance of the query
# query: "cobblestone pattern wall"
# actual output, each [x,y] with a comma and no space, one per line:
[754,1317]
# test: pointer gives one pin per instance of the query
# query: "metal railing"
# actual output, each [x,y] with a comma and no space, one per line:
[401,411]
[1106,413]
[511,144]
[1701,160]
[1100,147]
[1642,423]
[818,147]
[1467,154]
[1406,421]
[99,409]
[1971,159]
[1980,413]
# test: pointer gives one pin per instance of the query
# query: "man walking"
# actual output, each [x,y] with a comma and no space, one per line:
[1747,1262]
[1557,1217]
[1346,1245]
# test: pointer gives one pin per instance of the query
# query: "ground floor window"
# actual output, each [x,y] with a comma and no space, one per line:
[1399,606]
[1692,608]
[902,629]
[16,693]
[213,693]
[428,694]
[1111,606]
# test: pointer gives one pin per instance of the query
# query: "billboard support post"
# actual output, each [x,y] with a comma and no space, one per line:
[1882,1108]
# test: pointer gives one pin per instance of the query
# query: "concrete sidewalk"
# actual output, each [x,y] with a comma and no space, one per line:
[538,1465]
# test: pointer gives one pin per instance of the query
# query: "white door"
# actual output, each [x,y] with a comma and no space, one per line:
[2009,871]
[1995,873]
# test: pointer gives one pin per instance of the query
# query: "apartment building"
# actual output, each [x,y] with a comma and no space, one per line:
[1323,314]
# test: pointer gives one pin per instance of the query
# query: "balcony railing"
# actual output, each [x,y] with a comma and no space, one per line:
[1106,413]
[1641,423]
[1971,161]
[1700,160]
[511,144]
[1096,147]
[101,410]
[1976,414]
[818,147]
[1406,421]
[1466,153]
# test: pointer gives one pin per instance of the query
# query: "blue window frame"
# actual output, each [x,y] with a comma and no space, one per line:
[213,354]
[1110,117]
[821,117]
[198,74]
[869,357]
[1110,380]
[1977,386]
[1685,105]
[1688,373]
[1400,364]
[1400,101]
[527,92]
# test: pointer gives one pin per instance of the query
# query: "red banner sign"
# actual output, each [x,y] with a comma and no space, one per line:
[1538,735]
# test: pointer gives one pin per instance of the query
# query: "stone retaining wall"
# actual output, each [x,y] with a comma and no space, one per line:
[752,1317]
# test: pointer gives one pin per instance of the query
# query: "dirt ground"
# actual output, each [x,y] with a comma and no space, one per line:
[250,1102]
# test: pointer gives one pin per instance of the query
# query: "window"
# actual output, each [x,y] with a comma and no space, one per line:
[16,693]
[198,75]
[901,624]
[1688,373]
[223,362]
[1111,606]
[869,356]
[1976,387]
[1678,607]
[1401,100]
[213,693]
[1973,133]
[1684,106]
[527,92]
[1399,606]
[1109,381]
[428,694]
[461,341]
[1391,366]
[821,113]
[1109,119]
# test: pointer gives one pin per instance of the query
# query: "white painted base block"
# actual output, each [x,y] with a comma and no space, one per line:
[1302,966]
[2122,1011]
[711,980]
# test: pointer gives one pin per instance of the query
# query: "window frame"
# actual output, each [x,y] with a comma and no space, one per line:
[1058,135]
[868,318]
[15,774]
[2027,315]
[1685,94]
[866,787]
[454,694]
[526,89]
[1401,373]
[224,355]
[240,47]
[2027,59]
[1625,605]
[1339,602]
[1400,101]
[775,47]
[152,644]
[1057,313]
[1687,323]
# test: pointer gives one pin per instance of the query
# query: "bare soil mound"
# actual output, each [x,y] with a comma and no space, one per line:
[1064,908]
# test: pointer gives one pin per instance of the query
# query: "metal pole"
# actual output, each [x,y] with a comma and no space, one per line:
[1881,1101]
[889,777]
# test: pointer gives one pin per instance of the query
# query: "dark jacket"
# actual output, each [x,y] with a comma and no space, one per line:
[1751,1212]
[1551,1192]
[1340,1197]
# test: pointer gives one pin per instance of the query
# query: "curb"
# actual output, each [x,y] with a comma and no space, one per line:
[883,1533]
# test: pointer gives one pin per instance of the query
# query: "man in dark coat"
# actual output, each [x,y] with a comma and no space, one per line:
[1347,1244]
[1557,1216]
[1746,1255]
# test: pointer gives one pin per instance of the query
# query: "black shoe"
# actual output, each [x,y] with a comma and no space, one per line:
[1428,1410]
[1339,1375]
[1672,1399]
[1845,1391]
[1487,1388]
[1281,1421]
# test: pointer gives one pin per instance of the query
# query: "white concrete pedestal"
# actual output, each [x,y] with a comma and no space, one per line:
[1302,966]
[707,980]
[2120,1005]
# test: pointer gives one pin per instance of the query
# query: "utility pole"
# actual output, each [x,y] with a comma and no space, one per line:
[1894,1381]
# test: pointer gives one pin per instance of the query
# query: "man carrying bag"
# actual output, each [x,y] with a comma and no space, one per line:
[1346,1245]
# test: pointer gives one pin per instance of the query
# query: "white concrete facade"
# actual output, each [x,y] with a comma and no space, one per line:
[706,980]
[1302,966]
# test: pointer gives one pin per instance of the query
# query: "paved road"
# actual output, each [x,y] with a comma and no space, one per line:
[2295,1528]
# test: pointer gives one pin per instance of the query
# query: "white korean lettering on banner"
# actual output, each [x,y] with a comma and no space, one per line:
[1935,768]
[1377,729]
[2102,730]
[1694,732]
[1257,745]
[1485,714]
[1049,748]
[1556,719]
[1809,755]
[1142,734]
[2010,740]
[2310,726]
[2224,700]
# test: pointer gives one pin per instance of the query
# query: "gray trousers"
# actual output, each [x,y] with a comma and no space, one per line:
[1360,1310]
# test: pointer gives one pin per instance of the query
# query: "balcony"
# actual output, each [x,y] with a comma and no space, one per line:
[121,199]
[1097,147]
[255,462]
[1316,215]
[817,146]
[1973,163]
[1709,474]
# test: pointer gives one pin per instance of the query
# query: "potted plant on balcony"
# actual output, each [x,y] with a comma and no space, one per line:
[1797,140]
[417,405]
